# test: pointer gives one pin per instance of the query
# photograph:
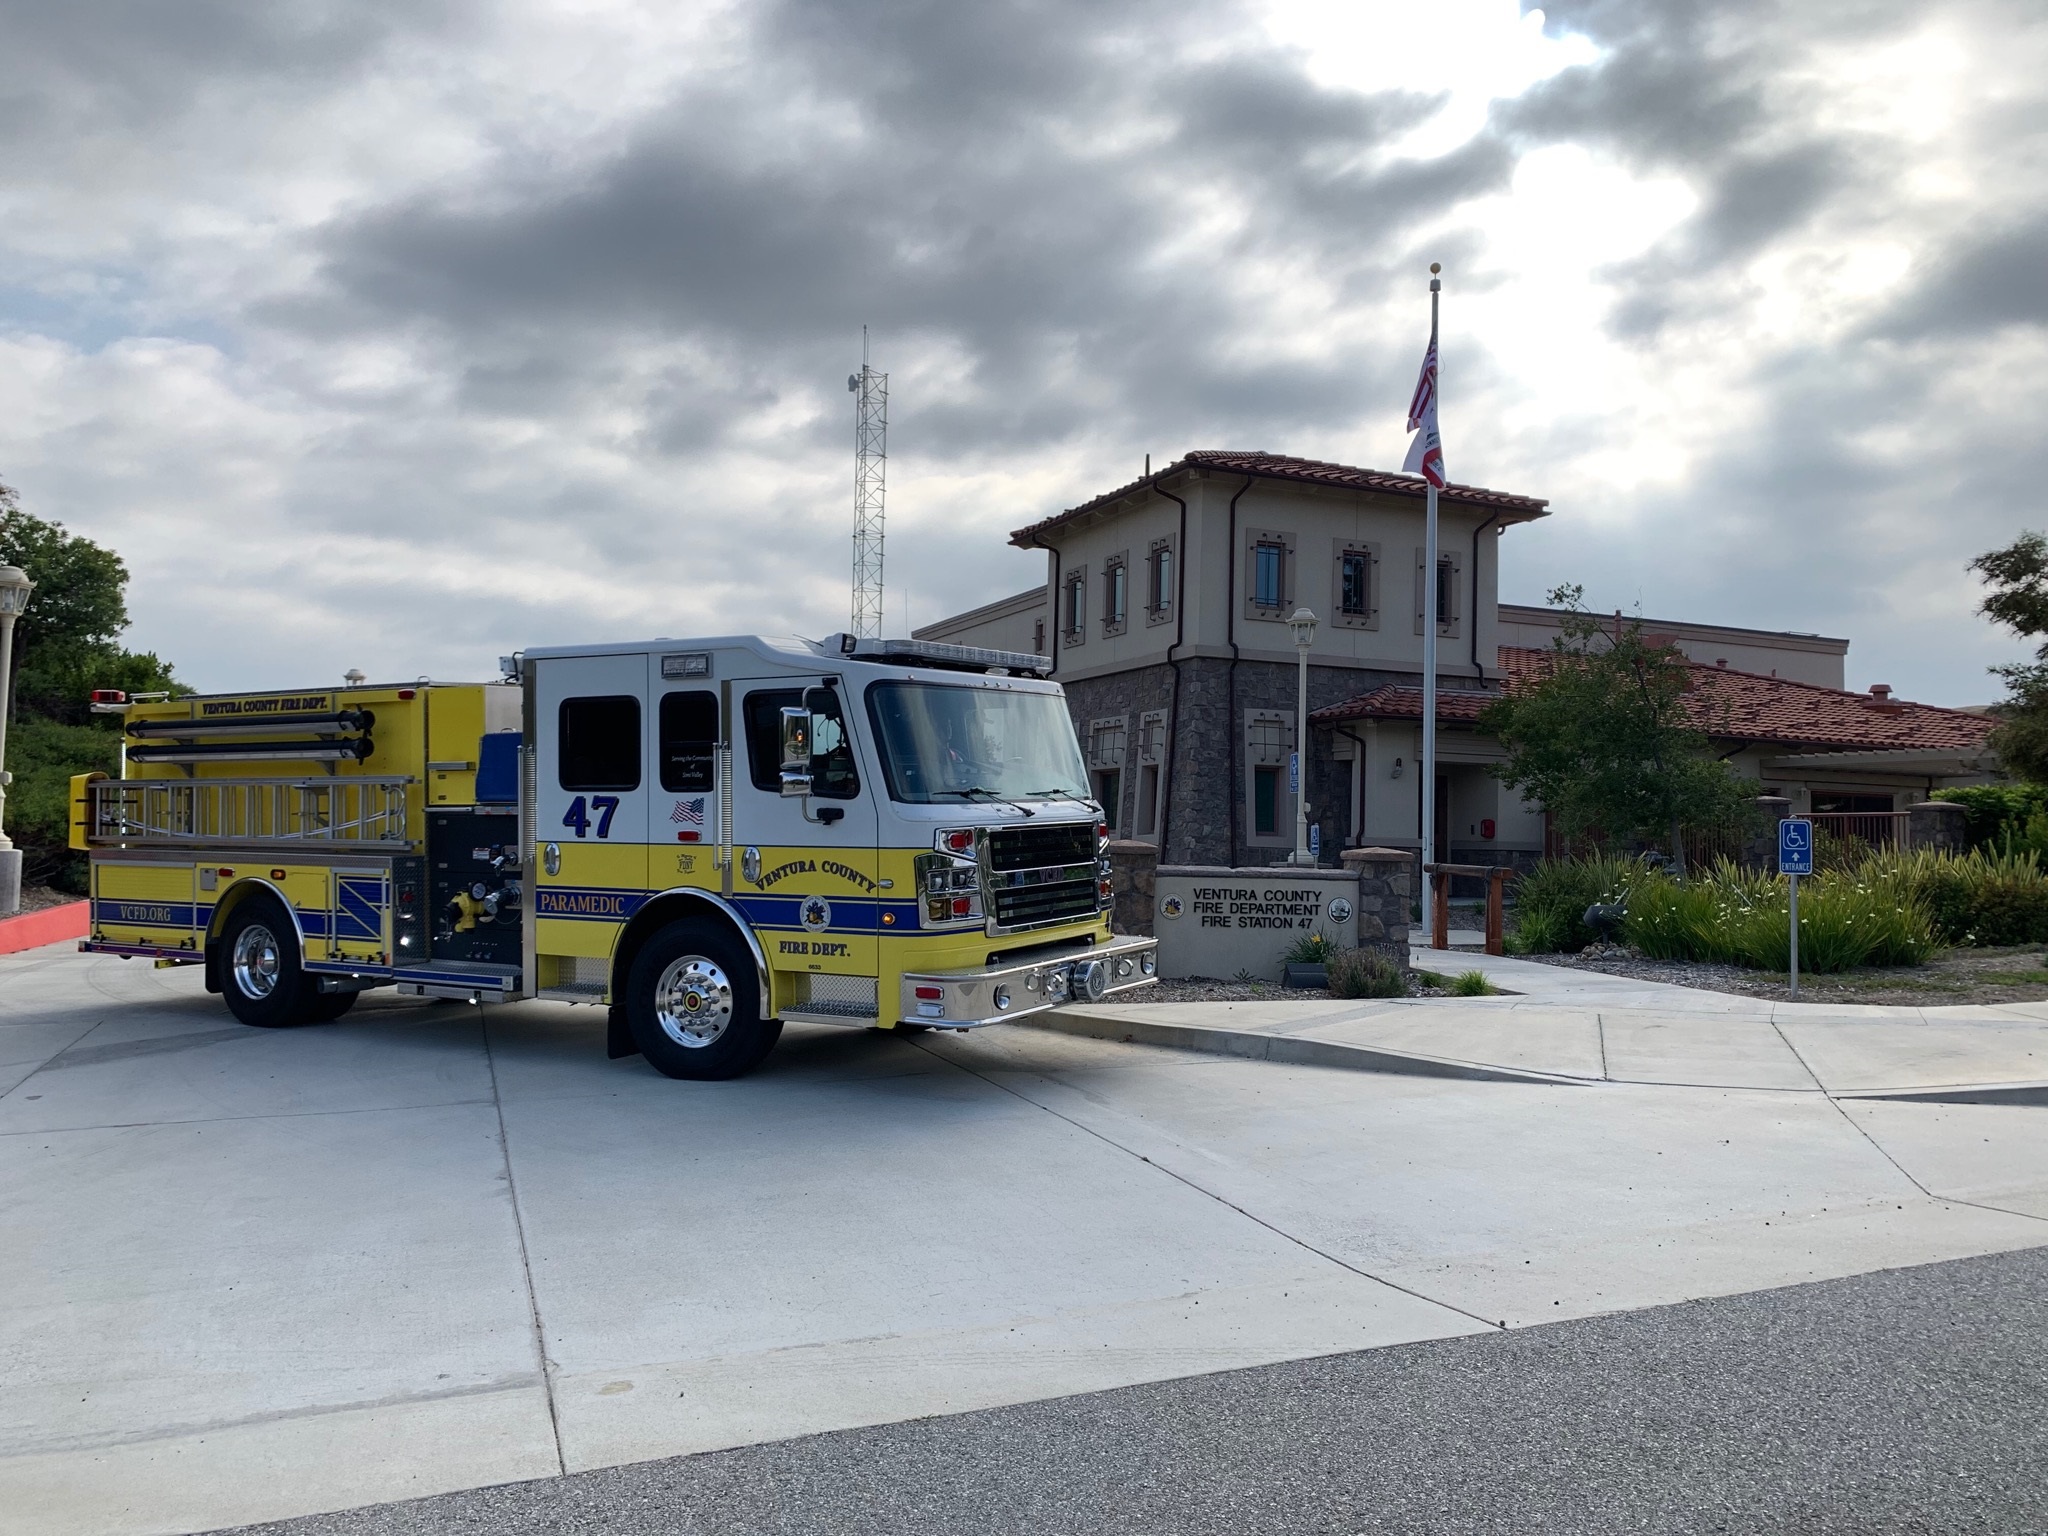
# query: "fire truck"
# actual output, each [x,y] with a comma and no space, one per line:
[707,838]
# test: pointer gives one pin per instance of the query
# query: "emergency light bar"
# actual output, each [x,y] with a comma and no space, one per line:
[937,653]
[244,725]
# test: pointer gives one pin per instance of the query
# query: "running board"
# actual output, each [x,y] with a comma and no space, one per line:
[465,981]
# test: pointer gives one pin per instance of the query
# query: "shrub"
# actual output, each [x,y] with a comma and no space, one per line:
[1309,949]
[1540,931]
[1981,898]
[1551,900]
[1871,915]
[2003,818]
[1365,973]
[1471,984]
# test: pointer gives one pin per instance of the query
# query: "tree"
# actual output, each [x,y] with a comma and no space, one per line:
[66,645]
[1605,741]
[2018,599]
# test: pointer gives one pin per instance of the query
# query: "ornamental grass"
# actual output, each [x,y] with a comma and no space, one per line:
[1869,915]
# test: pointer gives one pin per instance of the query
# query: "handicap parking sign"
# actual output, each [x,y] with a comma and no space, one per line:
[1795,846]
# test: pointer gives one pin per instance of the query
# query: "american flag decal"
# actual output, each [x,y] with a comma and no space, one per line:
[689,813]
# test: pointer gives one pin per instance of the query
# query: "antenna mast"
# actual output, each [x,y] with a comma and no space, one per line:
[870,468]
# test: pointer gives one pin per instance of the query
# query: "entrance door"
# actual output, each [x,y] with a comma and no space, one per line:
[590,802]
[810,886]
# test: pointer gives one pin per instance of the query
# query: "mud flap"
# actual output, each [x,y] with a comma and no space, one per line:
[618,1037]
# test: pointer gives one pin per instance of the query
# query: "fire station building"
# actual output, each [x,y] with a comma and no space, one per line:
[1165,608]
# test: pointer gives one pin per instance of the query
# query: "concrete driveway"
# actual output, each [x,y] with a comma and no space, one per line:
[251,1274]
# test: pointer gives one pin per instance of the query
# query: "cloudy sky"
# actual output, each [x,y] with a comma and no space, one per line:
[399,333]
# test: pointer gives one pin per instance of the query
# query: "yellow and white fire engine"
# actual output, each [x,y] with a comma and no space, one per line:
[709,837]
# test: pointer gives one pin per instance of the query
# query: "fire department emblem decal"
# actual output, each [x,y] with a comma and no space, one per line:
[815,913]
[1340,911]
[1171,907]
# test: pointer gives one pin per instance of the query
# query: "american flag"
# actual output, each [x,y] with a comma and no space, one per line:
[1426,453]
[689,813]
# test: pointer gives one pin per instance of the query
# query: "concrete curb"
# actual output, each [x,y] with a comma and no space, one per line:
[1288,1049]
[2033,1095]
[52,925]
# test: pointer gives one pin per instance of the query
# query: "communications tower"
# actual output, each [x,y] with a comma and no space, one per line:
[870,468]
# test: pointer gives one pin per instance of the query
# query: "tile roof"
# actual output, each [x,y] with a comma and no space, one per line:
[1727,705]
[1281,466]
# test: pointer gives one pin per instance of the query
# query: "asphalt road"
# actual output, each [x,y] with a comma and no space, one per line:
[1911,1400]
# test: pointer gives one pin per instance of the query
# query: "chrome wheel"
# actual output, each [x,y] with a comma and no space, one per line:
[693,1001]
[256,961]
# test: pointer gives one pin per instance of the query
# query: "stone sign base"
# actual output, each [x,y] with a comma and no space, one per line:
[1225,923]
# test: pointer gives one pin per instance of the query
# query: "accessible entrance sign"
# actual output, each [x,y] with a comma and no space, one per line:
[1795,858]
[1795,846]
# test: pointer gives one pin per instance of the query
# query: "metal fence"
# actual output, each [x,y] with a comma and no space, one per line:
[1849,837]
[260,812]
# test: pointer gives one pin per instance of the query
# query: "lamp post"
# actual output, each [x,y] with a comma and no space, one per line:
[14,590]
[1303,623]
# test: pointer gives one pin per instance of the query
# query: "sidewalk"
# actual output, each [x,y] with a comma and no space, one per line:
[1566,1026]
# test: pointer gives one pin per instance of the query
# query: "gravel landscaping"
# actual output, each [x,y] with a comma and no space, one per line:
[1203,989]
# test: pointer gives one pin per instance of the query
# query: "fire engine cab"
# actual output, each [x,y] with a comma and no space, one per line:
[707,837]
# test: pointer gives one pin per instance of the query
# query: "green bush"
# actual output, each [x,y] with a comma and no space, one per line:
[1471,984]
[1309,949]
[2003,818]
[1365,973]
[1871,915]
[1551,901]
[1979,898]
[43,755]
[1540,931]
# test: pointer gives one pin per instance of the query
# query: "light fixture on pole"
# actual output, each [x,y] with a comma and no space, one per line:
[14,590]
[1303,623]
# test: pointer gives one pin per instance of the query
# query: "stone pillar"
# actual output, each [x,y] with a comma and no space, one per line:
[1386,885]
[1761,851]
[1133,867]
[1937,824]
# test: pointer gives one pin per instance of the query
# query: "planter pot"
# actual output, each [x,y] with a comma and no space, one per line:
[1305,976]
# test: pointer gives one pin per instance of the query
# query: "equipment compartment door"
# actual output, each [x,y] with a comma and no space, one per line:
[810,887]
[590,800]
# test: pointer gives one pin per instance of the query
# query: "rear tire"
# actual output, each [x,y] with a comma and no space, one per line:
[693,1004]
[260,971]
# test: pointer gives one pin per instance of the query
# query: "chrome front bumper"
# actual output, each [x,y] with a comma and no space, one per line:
[993,994]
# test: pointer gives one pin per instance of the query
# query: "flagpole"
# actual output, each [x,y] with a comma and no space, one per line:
[1429,624]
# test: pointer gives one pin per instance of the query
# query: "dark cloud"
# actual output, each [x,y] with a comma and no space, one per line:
[1015,187]
[1979,285]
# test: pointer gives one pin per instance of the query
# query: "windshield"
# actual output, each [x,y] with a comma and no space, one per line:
[941,743]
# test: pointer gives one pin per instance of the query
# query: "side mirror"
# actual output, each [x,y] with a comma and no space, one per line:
[796,752]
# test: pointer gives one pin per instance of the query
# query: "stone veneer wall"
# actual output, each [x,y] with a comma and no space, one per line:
[1206,776]
[1388,879]
[1133,868]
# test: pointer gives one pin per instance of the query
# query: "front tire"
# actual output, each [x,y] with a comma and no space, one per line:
[326,1007]
[693,1004]
[260,971]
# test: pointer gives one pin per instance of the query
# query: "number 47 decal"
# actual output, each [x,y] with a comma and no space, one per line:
[579,818]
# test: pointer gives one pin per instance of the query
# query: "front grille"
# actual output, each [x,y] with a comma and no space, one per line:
[1056,902]
[1040,875]
[1033,847]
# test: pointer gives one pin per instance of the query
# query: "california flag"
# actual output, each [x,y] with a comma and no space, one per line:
[1426,452]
